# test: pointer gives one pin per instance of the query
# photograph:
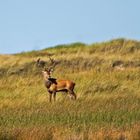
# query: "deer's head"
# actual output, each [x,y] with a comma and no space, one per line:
[48,71]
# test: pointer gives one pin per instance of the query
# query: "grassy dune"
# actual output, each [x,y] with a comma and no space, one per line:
[108,104]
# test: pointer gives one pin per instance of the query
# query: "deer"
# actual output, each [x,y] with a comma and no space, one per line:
[118,65]
[54,85]
[40,63]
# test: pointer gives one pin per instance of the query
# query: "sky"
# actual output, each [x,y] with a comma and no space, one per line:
[36,24]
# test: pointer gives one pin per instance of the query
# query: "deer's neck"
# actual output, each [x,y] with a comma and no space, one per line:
[46,78]
[48,83]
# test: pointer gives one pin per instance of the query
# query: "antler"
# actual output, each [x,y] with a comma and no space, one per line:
[53,64]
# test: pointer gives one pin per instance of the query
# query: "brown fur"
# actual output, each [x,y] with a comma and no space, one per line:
[53,85]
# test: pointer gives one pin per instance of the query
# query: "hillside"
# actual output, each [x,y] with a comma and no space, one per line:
[107,77]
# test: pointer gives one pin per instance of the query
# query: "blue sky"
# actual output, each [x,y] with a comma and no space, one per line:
[36,24]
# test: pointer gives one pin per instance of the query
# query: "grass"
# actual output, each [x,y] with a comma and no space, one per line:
[108,99]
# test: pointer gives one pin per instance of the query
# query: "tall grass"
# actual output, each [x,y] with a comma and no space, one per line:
[108,99]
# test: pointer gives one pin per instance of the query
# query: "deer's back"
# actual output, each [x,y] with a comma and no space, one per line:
[67,84]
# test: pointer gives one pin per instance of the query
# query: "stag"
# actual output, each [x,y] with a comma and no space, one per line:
[40,63]
[54,85]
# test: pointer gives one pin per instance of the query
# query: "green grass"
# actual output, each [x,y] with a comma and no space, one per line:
[108,99]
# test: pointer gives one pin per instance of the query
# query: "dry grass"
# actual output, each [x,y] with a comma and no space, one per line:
[108,99]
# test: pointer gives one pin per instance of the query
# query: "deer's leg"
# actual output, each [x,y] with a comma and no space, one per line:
[72,94]
[50,97]
[54,96]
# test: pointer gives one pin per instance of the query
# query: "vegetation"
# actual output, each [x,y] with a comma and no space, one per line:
[107,77]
